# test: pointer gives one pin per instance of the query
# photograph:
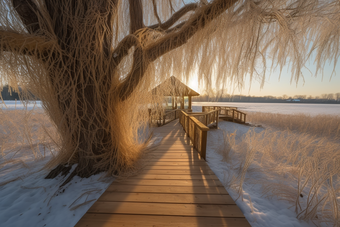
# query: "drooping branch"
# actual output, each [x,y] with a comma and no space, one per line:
[175,17]
[27,11]
[170,42]
[199,21]
[136,15]
[123,48]
[155,12]
[23,43]
[138,69]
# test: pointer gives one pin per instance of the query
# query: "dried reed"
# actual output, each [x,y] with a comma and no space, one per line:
[320,125]
[297,167]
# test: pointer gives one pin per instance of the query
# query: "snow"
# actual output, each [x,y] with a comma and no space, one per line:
[259,210]
[283,108]
[29,199]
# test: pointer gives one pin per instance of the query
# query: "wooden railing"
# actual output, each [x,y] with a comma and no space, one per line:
[207,118]
[196,131]
[228,113]
[211,108]
[162,118]
[239,116]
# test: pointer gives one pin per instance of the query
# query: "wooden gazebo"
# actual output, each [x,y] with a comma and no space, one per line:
[175,89]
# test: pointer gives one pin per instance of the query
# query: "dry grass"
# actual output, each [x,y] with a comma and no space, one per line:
[300,166]
[320,125]
[25,135]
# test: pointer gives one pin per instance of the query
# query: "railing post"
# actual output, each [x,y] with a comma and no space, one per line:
[217,119]
[245,118]
[204,144]
[233,115]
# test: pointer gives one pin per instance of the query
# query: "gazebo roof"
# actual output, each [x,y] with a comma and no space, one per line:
[173,87]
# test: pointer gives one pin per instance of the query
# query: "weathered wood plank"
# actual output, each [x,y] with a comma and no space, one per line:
[179,163]
[167,189]
[179,167]
[175,176]
[166,198]
[174,188]
[177,172]
[109,220]
[225,211]
[191,183]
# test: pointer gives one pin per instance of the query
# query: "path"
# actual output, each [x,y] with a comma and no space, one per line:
[176,188]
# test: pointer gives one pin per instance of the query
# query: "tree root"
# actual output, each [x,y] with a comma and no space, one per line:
[64,169]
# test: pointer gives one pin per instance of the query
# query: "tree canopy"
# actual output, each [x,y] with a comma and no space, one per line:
[93,62]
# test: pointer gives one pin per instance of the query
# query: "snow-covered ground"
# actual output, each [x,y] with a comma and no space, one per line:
[259,210]
[27,199]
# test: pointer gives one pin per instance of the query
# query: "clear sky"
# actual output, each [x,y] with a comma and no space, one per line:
[274,86]
[311,85]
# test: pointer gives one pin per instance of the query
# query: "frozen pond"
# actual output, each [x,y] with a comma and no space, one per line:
[283,108]
[18,105]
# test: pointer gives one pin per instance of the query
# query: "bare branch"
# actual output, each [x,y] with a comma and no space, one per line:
[138,69]
[27,11]
[123,48]
[175,17]
[155,12]
[199,21]
[136,15]
[177,27]
[23,43]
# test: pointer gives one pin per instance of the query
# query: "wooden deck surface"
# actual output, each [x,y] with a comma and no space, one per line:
[176,188]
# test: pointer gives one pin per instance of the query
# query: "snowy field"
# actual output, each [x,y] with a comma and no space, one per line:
[27,199]
[259,210]
[283,108]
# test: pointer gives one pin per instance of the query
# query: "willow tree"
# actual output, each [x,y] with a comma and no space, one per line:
[93,62]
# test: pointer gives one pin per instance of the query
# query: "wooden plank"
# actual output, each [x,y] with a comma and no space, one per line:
[170,163]
[174,155]
[191,183]
[169,149]
[174,188]
[224,211]
[174,176]
[174,158]
[166,198]
[179,167]
[109,220]
[179,171]
[167,189]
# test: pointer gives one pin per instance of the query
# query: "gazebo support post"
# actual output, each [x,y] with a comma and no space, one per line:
[189,107]
[173,102]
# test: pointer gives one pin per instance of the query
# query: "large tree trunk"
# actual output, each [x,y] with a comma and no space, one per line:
[81,79]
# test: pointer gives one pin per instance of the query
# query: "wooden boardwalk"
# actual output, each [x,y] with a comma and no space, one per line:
[176,188]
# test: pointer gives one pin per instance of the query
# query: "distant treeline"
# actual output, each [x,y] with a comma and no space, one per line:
[8,93]
[324,98]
